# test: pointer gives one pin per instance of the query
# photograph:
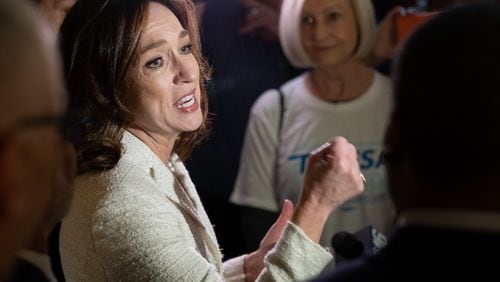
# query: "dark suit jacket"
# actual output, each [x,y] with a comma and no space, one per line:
[426,254]
[25,271]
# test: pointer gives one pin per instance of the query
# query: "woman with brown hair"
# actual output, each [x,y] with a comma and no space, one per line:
[136,80]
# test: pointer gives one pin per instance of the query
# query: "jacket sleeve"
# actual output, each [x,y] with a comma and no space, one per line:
[294,258]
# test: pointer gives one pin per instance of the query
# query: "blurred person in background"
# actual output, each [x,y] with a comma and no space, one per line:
[338,95]
[47,240]
[32,157]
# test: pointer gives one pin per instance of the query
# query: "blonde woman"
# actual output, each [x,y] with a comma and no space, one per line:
[338,95]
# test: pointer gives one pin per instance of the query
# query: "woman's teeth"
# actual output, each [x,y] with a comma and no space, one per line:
[186,102]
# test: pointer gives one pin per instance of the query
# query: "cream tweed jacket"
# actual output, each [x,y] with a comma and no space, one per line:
[139,222]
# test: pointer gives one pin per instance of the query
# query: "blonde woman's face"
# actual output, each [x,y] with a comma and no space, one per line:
[329,31]
[167,77]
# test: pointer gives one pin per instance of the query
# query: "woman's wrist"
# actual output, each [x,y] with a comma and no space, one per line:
[311,218]
[254,264]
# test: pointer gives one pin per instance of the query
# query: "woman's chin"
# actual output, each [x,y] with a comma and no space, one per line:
[194,124]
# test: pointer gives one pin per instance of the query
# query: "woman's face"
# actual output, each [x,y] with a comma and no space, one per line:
[166,77]
[329,31]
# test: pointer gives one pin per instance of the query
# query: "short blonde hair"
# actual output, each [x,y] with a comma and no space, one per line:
[289,31]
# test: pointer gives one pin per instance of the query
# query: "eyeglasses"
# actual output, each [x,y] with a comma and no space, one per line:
[30,122]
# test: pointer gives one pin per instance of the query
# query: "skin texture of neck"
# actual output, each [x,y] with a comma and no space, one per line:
[339,83]
[162,146]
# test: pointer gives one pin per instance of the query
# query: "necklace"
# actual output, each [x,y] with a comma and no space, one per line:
[171,167]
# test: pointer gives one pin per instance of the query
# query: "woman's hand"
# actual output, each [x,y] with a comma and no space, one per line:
[386,43]
[262,19]
[254,262]
[332,177]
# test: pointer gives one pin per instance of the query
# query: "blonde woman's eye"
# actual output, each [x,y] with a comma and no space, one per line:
[308,20]
[334,16]
[186,49]
[155,64]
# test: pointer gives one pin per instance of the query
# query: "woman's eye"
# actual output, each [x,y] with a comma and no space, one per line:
[154,64]
[186,49]
[334,16]
[308,20]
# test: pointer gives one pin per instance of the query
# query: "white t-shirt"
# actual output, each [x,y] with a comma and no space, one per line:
[309,122]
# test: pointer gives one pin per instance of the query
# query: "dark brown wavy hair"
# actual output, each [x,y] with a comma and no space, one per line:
[99,41]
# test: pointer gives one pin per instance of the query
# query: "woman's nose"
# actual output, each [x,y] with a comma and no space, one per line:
[320,31]
[186,70]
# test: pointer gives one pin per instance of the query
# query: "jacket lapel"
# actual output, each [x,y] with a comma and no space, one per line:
[187,200]
[210,237]
[180,191]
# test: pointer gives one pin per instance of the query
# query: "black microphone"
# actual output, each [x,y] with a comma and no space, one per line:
[365,242]
[346,245]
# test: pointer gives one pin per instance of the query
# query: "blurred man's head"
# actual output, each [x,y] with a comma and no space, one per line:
[443,143]
[31,103]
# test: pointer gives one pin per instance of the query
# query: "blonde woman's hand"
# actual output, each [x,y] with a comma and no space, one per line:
[262,19]
[386,43]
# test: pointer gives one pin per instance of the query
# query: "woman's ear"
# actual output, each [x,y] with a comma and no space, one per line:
[23,199]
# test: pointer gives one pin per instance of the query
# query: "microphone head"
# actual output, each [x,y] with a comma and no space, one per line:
[347,245]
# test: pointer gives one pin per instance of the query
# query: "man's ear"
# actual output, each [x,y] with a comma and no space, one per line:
[11,202]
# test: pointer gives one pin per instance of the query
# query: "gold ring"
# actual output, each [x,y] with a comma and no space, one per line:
[362,177]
